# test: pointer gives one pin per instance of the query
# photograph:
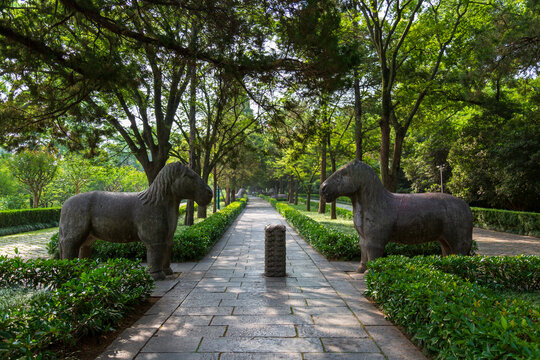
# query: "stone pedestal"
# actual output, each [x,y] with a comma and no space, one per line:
[274,250]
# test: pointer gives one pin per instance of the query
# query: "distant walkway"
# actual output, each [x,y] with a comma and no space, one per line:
[29,245]
[499,243]
[224,307]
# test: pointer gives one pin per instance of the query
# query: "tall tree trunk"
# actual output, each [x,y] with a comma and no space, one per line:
[400,134]
[228,192]
[357,117]
[384,152]
[192,113]
[296,186]
[308,198]
[322,203]
[290,196]
[233,194]
[202,210]
[35,199]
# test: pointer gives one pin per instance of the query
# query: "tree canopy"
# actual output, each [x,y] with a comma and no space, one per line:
[427,92]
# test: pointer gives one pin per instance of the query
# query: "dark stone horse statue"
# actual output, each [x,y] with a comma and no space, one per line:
[150,216]
[381,216]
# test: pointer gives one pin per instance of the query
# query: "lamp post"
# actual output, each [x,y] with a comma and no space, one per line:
[441,167]
[218,198]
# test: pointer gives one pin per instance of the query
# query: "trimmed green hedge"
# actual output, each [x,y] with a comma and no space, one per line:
[70,299]
[338,245]
[517,222]
[15,221]
[444,306]
[191,243]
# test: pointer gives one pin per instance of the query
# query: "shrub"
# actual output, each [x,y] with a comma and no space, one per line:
[518,222]
[191,243]
[451,317]
[77,297]
[14,221]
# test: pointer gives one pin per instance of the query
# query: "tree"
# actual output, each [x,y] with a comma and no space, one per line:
[34,170]
[125,60]
[411,39]
[224,121]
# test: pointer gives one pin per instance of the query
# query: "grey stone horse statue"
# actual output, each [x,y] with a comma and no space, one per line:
[149,216]
[381,216]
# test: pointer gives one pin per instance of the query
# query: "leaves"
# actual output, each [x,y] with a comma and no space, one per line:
[78,297]
[449,307]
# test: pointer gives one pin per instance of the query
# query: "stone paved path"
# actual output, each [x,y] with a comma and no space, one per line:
[29,245]
[224,308]
[499,243]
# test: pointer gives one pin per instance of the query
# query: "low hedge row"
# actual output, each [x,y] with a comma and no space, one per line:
[330,243]
[74,298]
[190,243]
[454,318]
[338,245]
[14,221]
[517,222]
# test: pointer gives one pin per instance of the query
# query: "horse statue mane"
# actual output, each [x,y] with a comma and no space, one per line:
[160,188]
[367,181]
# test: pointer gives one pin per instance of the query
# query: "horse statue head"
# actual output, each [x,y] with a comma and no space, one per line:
[354,177]
[180,182]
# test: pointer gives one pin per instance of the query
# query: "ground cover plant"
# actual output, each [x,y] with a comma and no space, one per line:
[47,305]
[190,242]
[460,307]
[337,239]
[16,221]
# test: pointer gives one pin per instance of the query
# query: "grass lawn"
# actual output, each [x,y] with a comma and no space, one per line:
[339,224]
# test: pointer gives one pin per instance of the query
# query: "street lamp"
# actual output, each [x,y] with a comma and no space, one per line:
[441,167]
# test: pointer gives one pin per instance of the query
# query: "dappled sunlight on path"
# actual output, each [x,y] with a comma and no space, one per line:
[29,245]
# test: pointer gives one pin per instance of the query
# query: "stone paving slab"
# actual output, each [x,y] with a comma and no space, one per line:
[224,308]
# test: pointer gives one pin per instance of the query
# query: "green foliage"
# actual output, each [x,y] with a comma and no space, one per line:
[445,309]
[34,170]
[517,222]
[78,297]
[190,243]
[14,221]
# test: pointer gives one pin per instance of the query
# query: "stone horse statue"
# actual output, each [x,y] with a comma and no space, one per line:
[381,216]
[240,193]
[149,216]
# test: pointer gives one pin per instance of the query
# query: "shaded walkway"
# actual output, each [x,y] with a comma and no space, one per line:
[224,308]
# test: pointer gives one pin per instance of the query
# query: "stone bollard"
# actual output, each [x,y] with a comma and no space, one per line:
[274,250]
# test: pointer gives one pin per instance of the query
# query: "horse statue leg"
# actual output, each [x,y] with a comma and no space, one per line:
[86,248]
[370,249]
[155,255]
[70,242]
[167,258]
